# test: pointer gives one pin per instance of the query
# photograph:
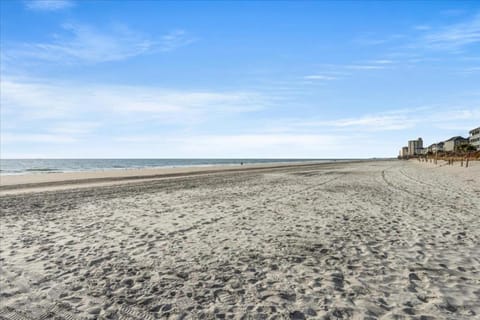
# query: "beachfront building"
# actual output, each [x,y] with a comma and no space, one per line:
[474,138]
[452,144]
[415,147]
[436,147]
[403,152]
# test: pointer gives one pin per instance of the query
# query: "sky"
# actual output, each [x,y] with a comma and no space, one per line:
[156,79]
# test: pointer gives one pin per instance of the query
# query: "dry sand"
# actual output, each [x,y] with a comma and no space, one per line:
[368,240]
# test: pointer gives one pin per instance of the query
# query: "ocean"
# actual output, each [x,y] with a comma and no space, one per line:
[24,166]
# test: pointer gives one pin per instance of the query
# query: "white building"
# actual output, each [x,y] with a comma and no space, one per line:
[437,147]
[415,147]
[474,138]
[453,143]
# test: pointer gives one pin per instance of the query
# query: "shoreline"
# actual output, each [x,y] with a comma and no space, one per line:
[174,164]
[37,182]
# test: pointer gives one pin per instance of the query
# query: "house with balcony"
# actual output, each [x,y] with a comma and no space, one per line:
[437,147]
[452,144]
[474,138]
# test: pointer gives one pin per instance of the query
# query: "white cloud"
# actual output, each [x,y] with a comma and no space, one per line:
[261,145]
[86,44]
[254,145]
[422,27]
[61,132]
[470,70]
[48,113]
[139,121]
[365,67]
[8,138]
[56,100]
[175,39]
[376,40]
[453,12]
[455,114]
[340,71]
[365,123]
[374,123]
[48,5]
[455,36]
[319,77]
[394,120]
[35,99]
[74,128]
[383,61]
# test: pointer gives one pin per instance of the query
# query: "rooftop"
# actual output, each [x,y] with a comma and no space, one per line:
[456,138]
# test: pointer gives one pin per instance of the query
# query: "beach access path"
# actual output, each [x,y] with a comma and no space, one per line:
[359,240]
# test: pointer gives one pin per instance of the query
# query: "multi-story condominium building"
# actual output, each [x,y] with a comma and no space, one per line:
[474,138]
[404,152]
[453,143]
[415,147]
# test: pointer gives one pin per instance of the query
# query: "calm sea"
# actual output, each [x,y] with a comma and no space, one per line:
[23,166]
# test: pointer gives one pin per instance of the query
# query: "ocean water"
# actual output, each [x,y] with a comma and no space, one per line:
[24,166]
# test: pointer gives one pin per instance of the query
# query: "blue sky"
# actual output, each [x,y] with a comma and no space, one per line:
[140,79]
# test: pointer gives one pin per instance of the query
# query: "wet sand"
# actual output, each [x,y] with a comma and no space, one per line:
[365,240]
[22,183]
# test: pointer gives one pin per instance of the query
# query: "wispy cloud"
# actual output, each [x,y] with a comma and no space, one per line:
[259,144]
[87,44]
[365,67]
[57,100]
[422,27]
[383,61]
[393,120]
[379,122]
[455,36]
[74,128]
[59,133]
[374,123]
[320,77]
[48,5]
[377,40]
[7,138]
[48,113]
[340,71]
[453,12]
[375,64]
[175,39]
[468,71]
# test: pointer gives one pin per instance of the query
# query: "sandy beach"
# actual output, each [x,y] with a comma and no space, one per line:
[361,240]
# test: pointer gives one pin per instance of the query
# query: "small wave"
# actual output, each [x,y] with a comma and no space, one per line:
[41,169]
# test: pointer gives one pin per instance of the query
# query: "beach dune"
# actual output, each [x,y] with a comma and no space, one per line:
[360,240]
